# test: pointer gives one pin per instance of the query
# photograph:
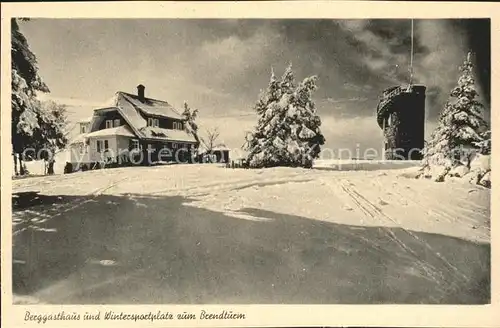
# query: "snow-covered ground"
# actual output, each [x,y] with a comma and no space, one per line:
[362,164]
[207,234]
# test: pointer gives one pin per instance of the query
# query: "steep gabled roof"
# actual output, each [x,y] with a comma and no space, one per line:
[150,106]
[129,105]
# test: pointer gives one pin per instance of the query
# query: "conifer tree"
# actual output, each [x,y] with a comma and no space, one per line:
[51,135]
[189,115]
[25,83]
[287,132]
[305,134]
[38,129]
[256,141]
[461,125]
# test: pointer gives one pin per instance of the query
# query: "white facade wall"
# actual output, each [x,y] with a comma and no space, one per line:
[76,155]
[115,145]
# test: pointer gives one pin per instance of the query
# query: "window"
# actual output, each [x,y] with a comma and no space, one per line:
[153,122]
[116,122]
[174,145]
[83,128]
[177,126]
[109,124]
[135,144]
[102,145]
[83,148]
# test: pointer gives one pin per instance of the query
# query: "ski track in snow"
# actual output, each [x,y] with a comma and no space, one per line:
[370,210]
[201,188]
[437,209]
[356,193]
[374,211]
[57,210]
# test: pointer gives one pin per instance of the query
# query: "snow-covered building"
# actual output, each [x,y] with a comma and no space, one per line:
[218,154]
[132,129]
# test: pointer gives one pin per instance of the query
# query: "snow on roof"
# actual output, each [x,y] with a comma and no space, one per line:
[152,106]
[167,134]
[202,148]
[122,130]
[129,113]
[129,106]
[221,147]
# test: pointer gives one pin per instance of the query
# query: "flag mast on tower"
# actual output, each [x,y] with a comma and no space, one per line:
[411,58]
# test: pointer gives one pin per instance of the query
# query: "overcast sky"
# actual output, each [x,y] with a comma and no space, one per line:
[219,66]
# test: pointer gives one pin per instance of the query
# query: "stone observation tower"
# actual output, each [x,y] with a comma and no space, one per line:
[401,116]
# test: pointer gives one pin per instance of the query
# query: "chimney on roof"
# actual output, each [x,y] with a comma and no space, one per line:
[140,92]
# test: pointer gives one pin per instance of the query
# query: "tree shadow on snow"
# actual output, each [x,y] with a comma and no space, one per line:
[132,249]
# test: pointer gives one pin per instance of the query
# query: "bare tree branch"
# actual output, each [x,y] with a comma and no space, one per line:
[211,139]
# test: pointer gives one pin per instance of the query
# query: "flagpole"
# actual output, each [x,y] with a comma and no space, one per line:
[411,55]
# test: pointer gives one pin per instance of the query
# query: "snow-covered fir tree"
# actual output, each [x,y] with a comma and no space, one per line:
[256,141]
[461,128]
[52,132]
[274,151]
[288,130]
[305,137]
[26,111]
[189,115]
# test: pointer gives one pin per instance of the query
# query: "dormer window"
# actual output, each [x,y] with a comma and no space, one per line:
[109,124]
[83,128]
[177,126]
[153,122]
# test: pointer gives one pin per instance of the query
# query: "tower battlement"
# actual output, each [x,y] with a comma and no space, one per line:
[401,116]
